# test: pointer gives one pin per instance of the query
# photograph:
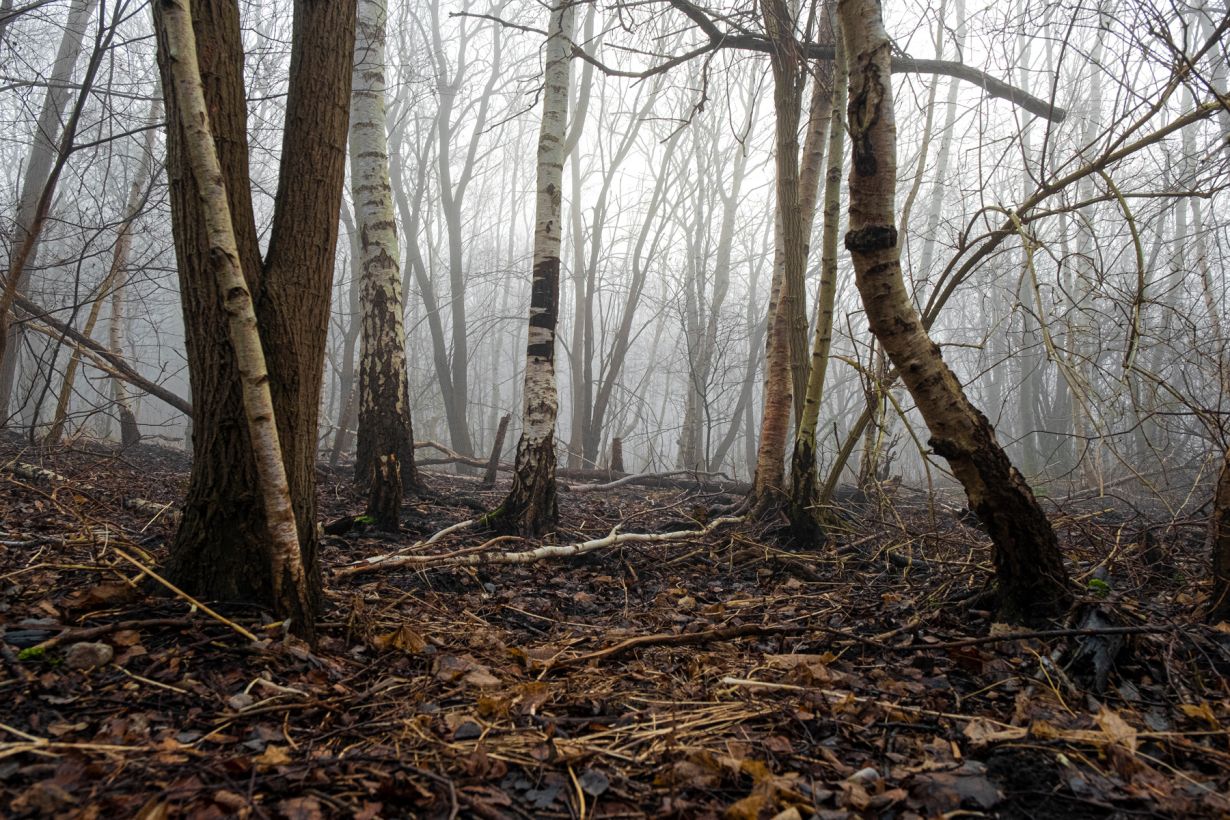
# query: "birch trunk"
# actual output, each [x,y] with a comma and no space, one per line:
[385,459]
[531,507]
[1029,568]
[806,518]
[173,21]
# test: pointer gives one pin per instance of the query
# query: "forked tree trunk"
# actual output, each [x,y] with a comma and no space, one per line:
[1032,580]
[291,597]
[221,548]
[531,507]
[1219,542]
[386,442]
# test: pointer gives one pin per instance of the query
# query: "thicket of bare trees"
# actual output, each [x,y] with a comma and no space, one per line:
[1031,284]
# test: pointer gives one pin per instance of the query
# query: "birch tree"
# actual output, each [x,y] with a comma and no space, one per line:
[291,595]
[531,507]
[1032,579]
[221,549]
[385,458]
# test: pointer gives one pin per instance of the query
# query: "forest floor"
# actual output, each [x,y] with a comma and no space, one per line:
[708,676]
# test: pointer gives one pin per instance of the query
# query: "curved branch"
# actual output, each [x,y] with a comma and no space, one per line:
[719,39]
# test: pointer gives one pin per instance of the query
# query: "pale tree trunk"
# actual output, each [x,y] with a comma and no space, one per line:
[806,516]
[346,380]
[129,432]
[1032,580]
[50,150]
[291,597]
[787,316]
[385,460]
[531,507]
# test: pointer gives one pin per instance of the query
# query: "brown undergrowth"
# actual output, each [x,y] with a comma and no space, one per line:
[702,677]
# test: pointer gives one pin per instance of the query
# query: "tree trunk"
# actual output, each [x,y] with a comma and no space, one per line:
[386,439]
[1029,567]
[806,517]
[1219,543]
[290,594]
[48,153]
[531,507]
[787,328]
[223,525]
[130,434]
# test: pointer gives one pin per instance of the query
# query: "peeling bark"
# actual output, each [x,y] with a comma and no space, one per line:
[385,454]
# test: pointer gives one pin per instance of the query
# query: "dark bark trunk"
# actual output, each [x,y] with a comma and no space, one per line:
[1219,543]
[221,549]
[497,447]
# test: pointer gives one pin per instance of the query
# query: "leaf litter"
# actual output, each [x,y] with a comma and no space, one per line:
[716,676]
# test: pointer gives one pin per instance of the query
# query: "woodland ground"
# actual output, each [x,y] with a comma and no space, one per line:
[857,680]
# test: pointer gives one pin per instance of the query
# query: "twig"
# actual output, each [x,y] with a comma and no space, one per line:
[179,592]
[727,633]
[86,633]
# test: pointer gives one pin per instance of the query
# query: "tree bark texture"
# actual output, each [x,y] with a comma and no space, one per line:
[785,352]
[531,507]
[290,595]
[806,518]
[223,524]
[386,440]
[1032,580]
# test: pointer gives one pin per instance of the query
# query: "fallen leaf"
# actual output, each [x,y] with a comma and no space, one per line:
[403,638]
[1116,728]
[272,756]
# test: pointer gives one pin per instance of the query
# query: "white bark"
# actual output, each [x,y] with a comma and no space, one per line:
[384,427]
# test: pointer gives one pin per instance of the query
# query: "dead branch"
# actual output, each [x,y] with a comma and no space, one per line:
[718,39]
[115,365]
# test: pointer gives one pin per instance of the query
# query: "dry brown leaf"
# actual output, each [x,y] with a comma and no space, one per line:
[1116,728]
[272,756]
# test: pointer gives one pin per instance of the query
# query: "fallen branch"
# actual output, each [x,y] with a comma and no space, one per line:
[30,472]
[726,633]
[478,556]
[651,479]
[91,632]
[398,558]
[571,550]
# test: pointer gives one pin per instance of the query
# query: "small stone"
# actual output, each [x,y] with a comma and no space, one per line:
[88,655]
